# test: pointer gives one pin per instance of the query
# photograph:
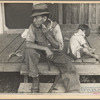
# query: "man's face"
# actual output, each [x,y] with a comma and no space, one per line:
[38,20]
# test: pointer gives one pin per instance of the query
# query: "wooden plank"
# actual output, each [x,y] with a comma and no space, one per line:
[4,56]
[75,14]
[59,88]
[92,13]
[67,13]
[22,88]
[71,28]
[10,67]
[53,8]
[98,13]
[2,37]
[94,41]
[6,41]
[1,19]
[78,60]
[89,14]
[86,13]
[81,69]
[43,69]
[18,59]
[60,9]
[89,60]
[88,69]
[81,14]
[26,87]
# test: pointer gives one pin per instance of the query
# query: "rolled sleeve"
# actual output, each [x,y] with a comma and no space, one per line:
[58,36]
[24,34]
[82,40]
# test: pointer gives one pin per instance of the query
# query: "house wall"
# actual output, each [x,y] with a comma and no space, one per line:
[17,15]
[81,13]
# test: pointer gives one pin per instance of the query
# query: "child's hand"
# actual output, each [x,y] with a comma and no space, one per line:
[92,50]
[45,30]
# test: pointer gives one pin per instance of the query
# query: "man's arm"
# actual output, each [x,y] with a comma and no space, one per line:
[53,42]
[57,40]
[36,46]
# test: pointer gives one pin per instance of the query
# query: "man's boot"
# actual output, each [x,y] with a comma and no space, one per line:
[35,85]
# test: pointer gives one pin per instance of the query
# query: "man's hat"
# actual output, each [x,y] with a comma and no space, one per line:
[39,9]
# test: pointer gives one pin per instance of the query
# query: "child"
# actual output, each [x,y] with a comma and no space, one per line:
[77,44]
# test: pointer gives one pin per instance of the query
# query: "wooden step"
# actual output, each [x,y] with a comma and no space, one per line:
[83,69]
[43,68]
[59,88]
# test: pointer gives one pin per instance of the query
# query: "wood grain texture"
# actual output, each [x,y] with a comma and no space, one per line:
[4,56]
[98,13]
[60,13]
[90,69]
[67,13]
[93,13]
[94,41]
[16,58]
[6,41]
[59,88]
[75,14]
[86,13]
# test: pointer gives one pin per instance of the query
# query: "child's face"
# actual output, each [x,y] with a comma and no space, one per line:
[87,32]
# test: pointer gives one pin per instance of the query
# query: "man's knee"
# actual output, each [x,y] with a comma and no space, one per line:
[31,52]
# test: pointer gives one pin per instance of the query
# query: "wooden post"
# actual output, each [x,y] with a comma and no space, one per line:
[25,78]
[81,15]
[90,16]
[1,19]
[60,9]
[97,13]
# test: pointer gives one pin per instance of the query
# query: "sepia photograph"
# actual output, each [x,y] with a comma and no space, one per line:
[50,48]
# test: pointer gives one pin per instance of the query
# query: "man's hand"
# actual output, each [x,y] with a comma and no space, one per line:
[49,53]
[45,30]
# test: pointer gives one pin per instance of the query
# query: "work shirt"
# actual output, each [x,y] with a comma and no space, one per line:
[75,44]
[30,36]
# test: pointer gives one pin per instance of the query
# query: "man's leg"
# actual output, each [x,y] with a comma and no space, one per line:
[68,72]
[32,59]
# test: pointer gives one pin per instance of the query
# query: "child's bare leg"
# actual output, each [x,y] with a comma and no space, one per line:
[87,52]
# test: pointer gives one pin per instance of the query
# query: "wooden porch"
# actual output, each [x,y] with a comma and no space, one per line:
[86,66]
[10,43]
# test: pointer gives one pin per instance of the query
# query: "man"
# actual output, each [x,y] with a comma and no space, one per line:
[44,39]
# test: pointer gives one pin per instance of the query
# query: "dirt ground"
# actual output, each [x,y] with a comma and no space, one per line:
[9,82]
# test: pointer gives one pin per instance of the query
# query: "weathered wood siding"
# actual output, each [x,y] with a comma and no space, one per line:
[81,13]
[17,15]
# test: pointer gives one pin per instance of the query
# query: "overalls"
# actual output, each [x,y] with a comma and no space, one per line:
[69,75]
